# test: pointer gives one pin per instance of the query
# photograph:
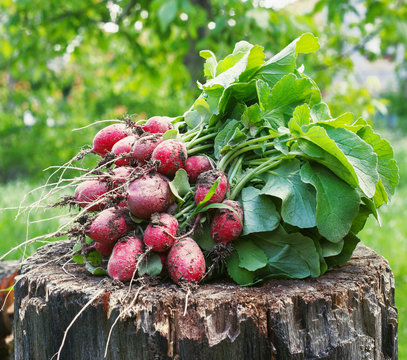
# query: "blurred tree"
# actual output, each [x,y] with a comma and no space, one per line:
[67,64]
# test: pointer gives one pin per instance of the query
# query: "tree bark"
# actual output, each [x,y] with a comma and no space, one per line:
[348,313]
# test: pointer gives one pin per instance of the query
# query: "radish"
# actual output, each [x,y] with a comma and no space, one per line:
[163,258]
[122,174]
[103,249]
[144,146]
[122,204]
[108,226]
[107,137]
[123,148]
[171,154]
[123,261]
[149,194]
[160,233]
[158,124]
[186,261]
[196,165]
[205,182]
[89,191]
[227,225]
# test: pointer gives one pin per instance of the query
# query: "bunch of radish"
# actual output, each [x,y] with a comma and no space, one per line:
[136,213]
[256,180]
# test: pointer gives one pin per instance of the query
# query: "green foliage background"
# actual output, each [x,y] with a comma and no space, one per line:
[64,65]
[60,65]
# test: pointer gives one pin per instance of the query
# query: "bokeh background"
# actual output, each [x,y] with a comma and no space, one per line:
[64,65]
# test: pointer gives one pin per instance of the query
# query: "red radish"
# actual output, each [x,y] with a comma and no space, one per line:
[163,258]
[90,191]
[205,182]
[171,154]
[186,261]
[122,202]
[108,226]
[103,248]
[122,174]
[144,146]
[107,137]
[149,194]
[123,261]
[123,148]
[227,225]
[158,124]
[196,165]
[160,233]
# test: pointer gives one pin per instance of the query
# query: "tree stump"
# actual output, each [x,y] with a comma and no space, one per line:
[348,313]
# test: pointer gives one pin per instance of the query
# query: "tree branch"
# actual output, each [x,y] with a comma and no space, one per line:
[126,11]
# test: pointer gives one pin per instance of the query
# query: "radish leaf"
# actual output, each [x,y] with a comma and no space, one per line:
[151,265]
[387,167]
[337,202]
[292,255]
[251,257]
[237,273]
[95,270]
[284,62]
[298,206]
[350,242]
[259,211]
[203,237]
[180,185]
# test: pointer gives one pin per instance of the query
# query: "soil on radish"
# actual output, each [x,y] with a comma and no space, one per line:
[155,219]
[67,200]
[107,160]
[145,137]
[208,178]
[114,228]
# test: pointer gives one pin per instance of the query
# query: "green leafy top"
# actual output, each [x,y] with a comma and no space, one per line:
[306,181]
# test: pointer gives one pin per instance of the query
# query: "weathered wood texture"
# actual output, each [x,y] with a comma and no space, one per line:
[348,313]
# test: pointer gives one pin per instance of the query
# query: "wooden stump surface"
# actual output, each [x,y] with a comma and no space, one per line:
[348,313]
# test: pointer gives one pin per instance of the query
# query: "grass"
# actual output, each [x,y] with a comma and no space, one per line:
[389,240]
[14,231]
